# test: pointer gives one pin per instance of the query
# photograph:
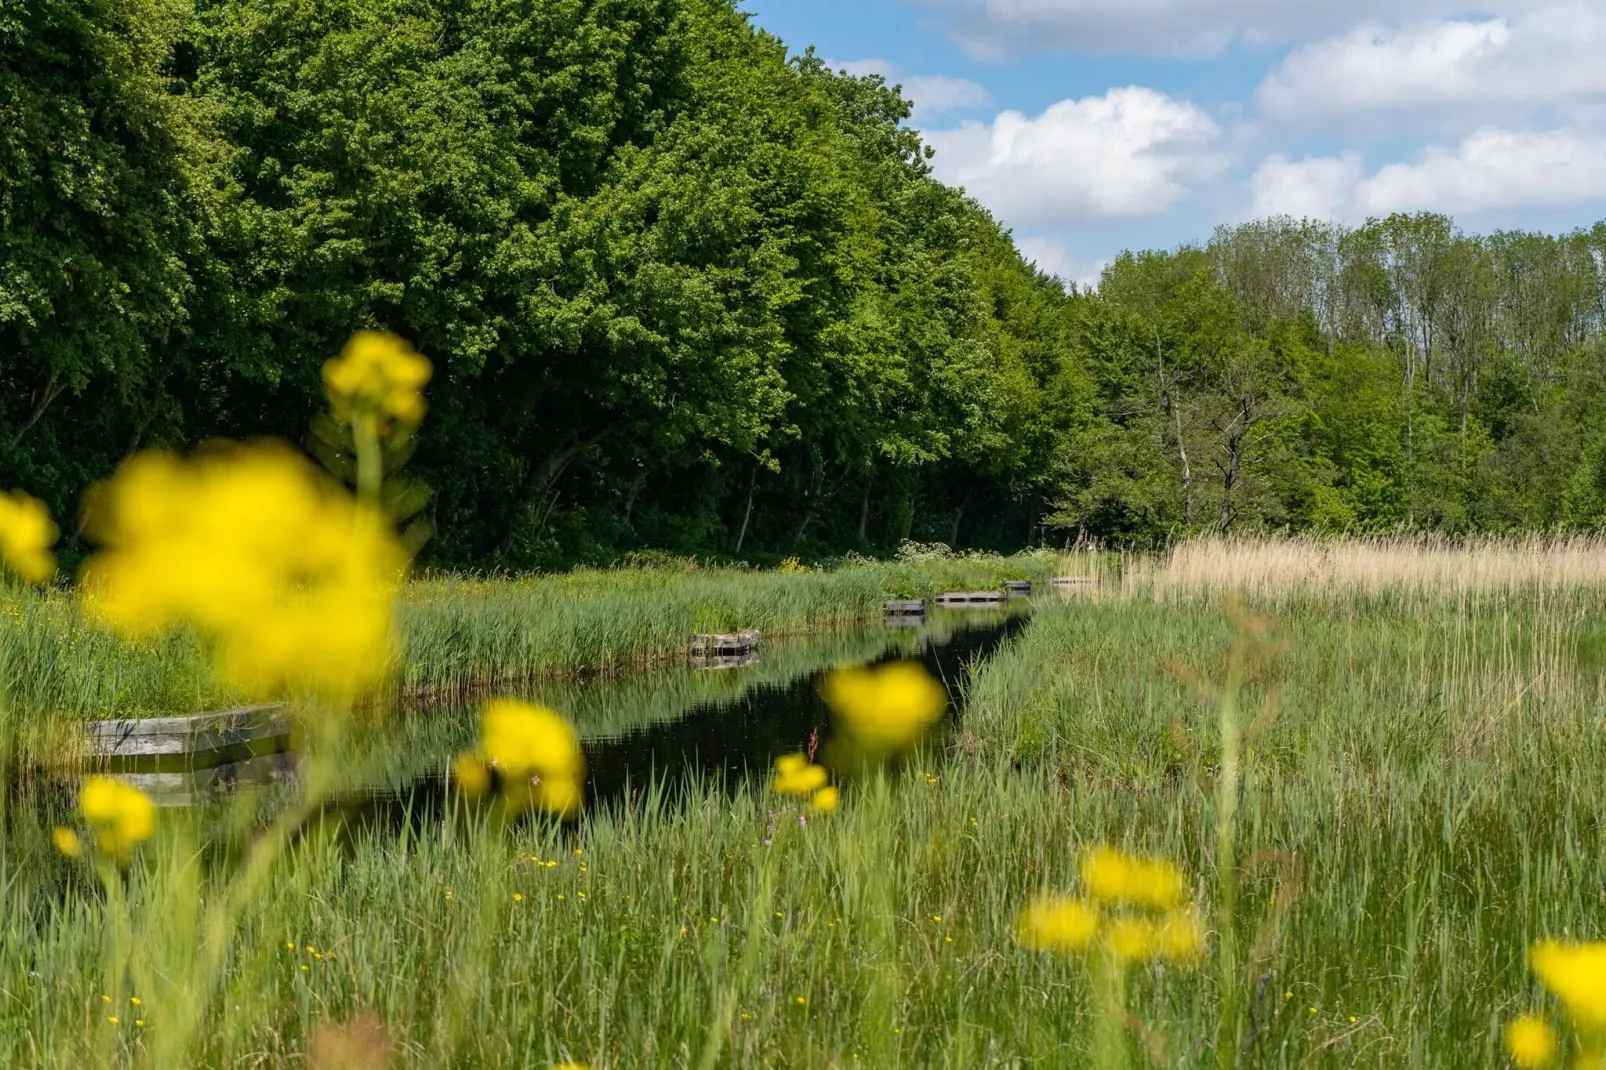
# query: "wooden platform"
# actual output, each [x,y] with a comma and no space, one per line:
[1018,588]
[1073,581]
[906,607]
[724,645]
[972,599]
[193,741]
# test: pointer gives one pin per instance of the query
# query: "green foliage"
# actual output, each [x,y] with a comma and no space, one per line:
[1302,376]
[685,290]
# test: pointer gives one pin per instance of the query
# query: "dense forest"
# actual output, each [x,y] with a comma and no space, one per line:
[686,291]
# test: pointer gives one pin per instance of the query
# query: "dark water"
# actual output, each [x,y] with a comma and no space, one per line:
[717,745]
[663,733]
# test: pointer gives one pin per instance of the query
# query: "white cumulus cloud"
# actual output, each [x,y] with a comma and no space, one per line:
[1185,27]
[930,95]
[1549,56]
[1492,170]
[1053,258]
[1128,154]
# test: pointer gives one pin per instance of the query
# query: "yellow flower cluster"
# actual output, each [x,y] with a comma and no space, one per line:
[534,751]
[1164,926]
[796,776]
[1112,876]
[123,817]
[26,535]
[1530,1041]
[885,709]
[292,579]
[1577,974]
[377,379]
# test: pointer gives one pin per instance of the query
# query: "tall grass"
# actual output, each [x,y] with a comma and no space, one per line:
[1423,784]
[459,634]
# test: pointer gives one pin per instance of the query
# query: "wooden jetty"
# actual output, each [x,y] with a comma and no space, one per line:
[196,739]
[724,645]
[972,599]
[1018,588]
[906,607]
[1068,582]
[724,651]
[181,761]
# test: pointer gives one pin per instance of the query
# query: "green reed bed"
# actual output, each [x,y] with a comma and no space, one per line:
[1423,793]
[1424,788]
[459,634]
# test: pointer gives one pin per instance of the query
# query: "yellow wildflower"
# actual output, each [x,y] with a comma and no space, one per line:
[885,709]
[1576,973]
[536,752]
[123,817]
[1057,924]
[795,776]
[826,800]
[66,841]
[1181,935]
[1113,877]
[26,535]
[377,378]
[1177,937]
[1530,1041]
[291,578]
[472,776]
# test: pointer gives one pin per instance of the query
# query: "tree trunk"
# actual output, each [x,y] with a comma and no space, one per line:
[1187,473]
[747,513]
[864,515]
[959,514]
[43,398]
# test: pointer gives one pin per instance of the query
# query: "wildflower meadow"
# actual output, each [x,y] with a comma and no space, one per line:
[1242,804]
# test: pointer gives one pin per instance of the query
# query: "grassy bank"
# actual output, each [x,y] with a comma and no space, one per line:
[1424,784]
[457,634]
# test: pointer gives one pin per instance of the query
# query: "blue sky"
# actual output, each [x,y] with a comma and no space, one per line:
[1092,126]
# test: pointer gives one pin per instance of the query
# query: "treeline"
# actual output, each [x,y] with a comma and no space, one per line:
[684,292]
[1305,376]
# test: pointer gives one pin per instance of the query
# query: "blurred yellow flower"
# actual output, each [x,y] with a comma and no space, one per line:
[1177,937]
[885,709]
[66,841]
[377,378]
[536,752]
[1111,876]
[1057,924]
[1530,1041]
[826,800]
[471,775]
[122,817]
[26,535]
[292,579]
[1577,974]
[794,775]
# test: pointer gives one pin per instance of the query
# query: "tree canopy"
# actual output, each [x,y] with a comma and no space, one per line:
[685,290]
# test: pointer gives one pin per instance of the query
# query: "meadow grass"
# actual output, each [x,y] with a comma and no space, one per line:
[1424,779]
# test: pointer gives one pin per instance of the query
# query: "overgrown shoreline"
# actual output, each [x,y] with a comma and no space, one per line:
[459,634]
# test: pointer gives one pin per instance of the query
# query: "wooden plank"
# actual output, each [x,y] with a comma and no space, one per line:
[972,598]
[724,645]
[1018,588]
[1073,581]
[248,727]
[906,607]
